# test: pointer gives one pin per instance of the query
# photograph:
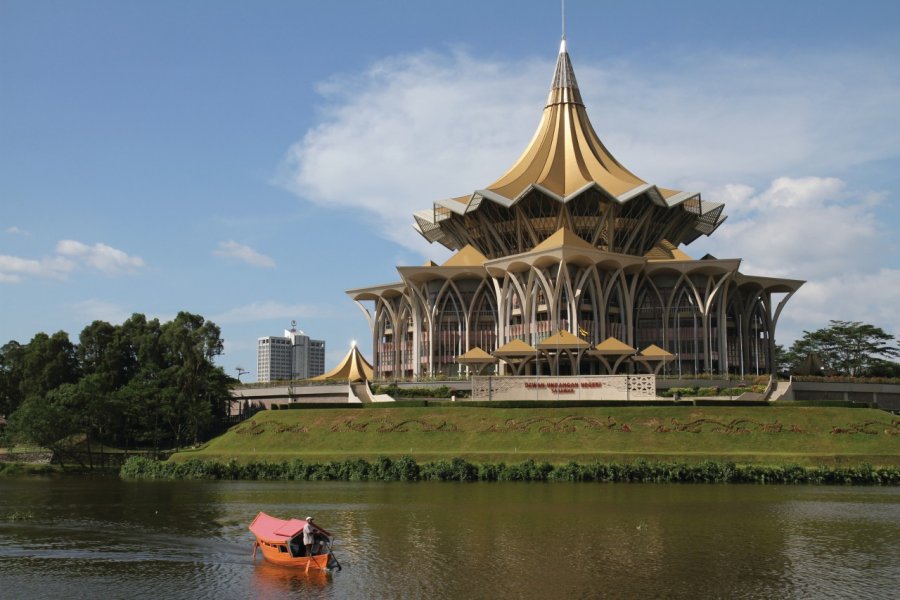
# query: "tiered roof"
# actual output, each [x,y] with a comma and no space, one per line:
[567,160]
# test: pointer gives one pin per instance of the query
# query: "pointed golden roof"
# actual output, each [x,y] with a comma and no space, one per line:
[515,348]
[655,352]
[468,256]
[613,347]
[666,250]
[352,368]
[475,356]
[563,339]
[563,237]
[565,154]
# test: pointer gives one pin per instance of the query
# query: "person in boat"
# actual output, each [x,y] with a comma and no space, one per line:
[309,536]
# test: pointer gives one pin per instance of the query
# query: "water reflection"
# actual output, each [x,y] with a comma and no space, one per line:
[272,581]
[109,538]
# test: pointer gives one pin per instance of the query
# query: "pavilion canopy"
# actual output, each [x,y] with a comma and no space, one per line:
[612,347]
[475,356]
[563,340]
[653,354]
[353,368]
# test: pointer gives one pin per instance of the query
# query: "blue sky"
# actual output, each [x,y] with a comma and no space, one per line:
[252,161]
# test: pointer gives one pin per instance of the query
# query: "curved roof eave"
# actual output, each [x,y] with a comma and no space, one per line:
[776,285]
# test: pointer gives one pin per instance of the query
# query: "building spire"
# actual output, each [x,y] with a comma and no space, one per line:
[564,87]
[563,2]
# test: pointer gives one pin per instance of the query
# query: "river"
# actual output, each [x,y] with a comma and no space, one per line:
[105,538]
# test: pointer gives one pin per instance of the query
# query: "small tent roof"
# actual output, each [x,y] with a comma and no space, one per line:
[515,348]
[654,352]
[563,339]
[475,356]
[613,347]
[353,368]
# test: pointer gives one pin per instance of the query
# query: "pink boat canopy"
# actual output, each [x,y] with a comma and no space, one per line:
[275,530]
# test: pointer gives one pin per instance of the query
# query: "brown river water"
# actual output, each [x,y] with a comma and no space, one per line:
[106,538]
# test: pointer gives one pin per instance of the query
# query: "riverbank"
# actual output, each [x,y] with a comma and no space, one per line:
[457,469]
[755,436]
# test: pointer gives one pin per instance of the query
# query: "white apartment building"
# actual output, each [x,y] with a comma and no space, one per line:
[292,356]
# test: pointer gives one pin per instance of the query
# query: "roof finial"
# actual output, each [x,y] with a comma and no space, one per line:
[563,2]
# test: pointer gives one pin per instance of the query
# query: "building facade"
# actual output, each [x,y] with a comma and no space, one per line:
[569,240]
[291,356]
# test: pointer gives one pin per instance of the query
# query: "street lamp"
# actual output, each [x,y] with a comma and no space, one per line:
[241,371]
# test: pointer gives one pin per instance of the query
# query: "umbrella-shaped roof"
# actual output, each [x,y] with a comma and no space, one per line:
[654,352]
[514,348]
[563,339]
[475,356]
[353,368]
[613,347]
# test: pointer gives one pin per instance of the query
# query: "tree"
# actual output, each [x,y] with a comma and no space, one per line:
[48,362]
[12,369]
[846,348]
[46,420]
[189,345]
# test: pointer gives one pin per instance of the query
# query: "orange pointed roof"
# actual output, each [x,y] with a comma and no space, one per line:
[352,368]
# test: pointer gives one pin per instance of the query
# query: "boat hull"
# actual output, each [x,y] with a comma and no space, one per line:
[273,554]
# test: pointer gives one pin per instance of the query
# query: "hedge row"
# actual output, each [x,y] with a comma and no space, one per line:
[457,469]
[528,403]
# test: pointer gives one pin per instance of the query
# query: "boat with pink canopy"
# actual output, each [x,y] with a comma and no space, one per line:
[281,543]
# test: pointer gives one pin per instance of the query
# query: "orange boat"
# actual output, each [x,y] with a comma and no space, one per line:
[281,543]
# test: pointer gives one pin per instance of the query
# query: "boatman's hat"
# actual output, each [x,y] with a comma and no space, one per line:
[309,518]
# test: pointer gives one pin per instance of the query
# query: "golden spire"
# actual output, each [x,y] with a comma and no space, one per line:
[566,155]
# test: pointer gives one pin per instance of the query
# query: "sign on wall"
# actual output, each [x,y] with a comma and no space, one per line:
[582,387]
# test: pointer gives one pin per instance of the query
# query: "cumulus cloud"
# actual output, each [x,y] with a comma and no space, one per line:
[69,255]
[13,269]
[265,310]
[242,253]
[817,230]
[106,259]
[808,228]
[412,130]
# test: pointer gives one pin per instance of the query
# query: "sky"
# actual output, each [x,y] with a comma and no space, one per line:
[252,161]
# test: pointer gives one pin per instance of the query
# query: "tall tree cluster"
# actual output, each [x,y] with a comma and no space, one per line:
[138,384]
[848,348]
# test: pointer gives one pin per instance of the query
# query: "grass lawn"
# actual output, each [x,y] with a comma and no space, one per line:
[752,435]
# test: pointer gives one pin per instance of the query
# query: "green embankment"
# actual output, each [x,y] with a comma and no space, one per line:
[753,435]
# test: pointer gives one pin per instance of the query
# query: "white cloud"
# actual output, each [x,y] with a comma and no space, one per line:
[867,297]
[69,254]
[262,311]
[806,228]
[15,231]
[13,269]
[242,253]
[413,130]
[816,230]
[106,259]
